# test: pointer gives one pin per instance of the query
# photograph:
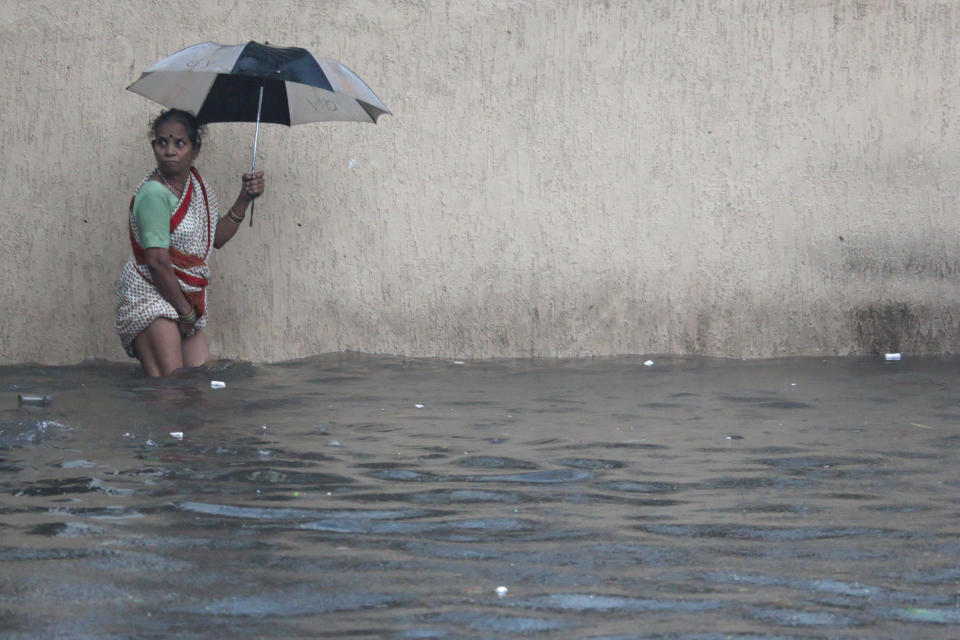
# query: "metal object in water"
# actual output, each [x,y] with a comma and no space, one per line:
[34,401]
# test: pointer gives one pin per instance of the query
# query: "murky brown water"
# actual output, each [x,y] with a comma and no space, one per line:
[352,496]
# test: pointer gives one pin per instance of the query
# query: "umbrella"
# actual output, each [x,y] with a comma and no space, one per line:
[256,82]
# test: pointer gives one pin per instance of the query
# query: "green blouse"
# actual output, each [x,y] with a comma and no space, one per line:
[152,210]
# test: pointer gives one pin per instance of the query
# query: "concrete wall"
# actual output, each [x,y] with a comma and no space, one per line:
[560,178]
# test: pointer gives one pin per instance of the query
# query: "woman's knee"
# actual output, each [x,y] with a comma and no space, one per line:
[195,350]
[158,348]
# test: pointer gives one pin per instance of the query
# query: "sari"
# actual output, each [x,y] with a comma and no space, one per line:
[192,225]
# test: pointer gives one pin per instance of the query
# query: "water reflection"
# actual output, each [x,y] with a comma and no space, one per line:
[351,495]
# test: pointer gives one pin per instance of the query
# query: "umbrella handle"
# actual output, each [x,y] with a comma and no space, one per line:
[256,138]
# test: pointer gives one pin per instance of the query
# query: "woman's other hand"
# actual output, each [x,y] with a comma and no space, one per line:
[186,326]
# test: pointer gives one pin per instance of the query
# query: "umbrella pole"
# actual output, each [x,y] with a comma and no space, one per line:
[256,137]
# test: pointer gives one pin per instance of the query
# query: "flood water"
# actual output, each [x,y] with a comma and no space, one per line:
[358,496]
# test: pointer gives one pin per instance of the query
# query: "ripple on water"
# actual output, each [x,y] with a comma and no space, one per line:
[823,585]
[494,462]
[815,463]
[552,476]
[766,402]
[445,529]
[803,618]
[752,482]
[629,486]
[592,463]
[464,496]
[926,615]
[58,487]
[492,622]
[576,602]
[16,553]
[282,476]
[292,515]
[772,534]
[406,475]
[382,522]
[936,575]
[291,603]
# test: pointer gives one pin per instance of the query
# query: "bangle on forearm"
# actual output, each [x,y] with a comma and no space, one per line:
[189,318]
[234,218]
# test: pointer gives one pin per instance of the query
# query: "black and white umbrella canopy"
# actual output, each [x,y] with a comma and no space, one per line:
[221,83]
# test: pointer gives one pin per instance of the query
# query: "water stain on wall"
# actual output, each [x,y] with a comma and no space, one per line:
[901,327]
[921,259]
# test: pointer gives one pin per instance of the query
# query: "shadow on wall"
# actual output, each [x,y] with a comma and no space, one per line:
[900,327]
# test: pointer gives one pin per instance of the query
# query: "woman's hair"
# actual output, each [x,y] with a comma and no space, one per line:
[195,130]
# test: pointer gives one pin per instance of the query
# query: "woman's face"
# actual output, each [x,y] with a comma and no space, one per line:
[173,149]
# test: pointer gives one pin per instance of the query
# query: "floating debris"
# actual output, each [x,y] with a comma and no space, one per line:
[34,401]
[217,384]
[75,464]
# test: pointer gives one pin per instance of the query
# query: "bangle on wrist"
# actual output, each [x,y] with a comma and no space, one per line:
[189,318]
[234,217]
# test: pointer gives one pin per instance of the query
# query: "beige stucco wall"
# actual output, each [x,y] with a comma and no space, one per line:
[560,178]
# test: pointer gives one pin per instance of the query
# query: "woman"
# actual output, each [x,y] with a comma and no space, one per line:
[174,219]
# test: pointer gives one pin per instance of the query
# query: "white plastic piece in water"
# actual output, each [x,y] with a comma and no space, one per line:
[501,591]
[217,384]
[418,406]
[75,464]
[352,162]
[334,443]
[648,363]
[892,356]
[458,362]
[177,434]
